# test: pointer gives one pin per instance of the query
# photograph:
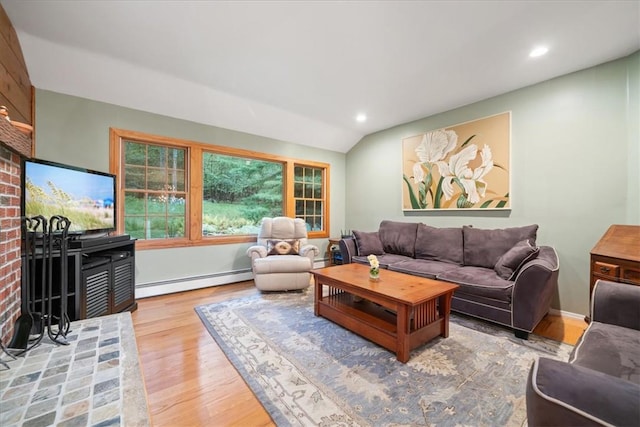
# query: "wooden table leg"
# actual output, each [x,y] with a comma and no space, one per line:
[318,296]
[445,309]
[402,334]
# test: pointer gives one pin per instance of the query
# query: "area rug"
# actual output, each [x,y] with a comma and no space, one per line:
[307,370]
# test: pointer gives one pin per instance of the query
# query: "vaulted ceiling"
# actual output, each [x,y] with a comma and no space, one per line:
[301,71]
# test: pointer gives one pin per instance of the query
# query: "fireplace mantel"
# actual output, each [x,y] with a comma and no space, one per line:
[15,139]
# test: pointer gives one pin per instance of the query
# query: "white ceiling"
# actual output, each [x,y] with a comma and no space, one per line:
[300,71]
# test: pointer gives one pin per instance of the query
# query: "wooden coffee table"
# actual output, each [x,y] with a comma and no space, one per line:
[399,311]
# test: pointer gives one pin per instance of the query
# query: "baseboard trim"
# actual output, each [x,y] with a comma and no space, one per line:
[144,290]
[163,287]
[563,313]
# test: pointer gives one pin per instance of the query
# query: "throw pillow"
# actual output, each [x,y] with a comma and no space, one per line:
[283,247]
[483,248]
[368,243]
[510,263]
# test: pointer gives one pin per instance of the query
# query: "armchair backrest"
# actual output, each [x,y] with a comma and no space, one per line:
[282,228]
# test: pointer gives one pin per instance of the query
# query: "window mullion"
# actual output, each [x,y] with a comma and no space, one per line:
[194,209]
[289,200]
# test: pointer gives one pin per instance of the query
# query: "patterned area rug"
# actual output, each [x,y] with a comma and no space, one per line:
[307,370]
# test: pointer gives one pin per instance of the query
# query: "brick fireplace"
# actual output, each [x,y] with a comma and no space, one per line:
[16,95]
[10,252]
[9,241]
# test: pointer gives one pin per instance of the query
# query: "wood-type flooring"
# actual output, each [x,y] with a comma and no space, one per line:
[190,382]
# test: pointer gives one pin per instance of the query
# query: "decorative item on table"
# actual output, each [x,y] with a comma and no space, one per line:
[374,270]
[345,233]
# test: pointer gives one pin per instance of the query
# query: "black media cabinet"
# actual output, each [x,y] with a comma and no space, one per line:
[100,277]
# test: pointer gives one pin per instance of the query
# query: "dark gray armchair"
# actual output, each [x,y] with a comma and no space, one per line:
[600,384]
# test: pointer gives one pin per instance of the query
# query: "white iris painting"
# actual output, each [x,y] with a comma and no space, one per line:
[466,166]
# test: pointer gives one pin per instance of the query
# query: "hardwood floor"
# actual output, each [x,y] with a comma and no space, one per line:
[189,380]
[559,328]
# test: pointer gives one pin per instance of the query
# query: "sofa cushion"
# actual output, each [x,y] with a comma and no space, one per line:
[384,260]
[610,349]
[439,244]
[510,263]
[479,281]
[283,247]
[483,248]
[422,267]
[398,237]
[368,243]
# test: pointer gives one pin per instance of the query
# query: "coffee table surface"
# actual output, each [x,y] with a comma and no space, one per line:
[400,287]
[398,311]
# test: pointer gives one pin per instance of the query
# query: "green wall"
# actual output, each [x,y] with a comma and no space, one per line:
[574,167]
[75,131]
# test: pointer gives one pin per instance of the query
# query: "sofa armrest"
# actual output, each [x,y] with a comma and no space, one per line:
[310,251]
[562,394]
[533,290]
[257,251]
[616,304]
[348,249]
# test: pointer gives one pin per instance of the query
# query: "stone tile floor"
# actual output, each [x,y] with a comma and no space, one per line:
[94,381]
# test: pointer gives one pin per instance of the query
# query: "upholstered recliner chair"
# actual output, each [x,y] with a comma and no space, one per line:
[282,258]
[600,384]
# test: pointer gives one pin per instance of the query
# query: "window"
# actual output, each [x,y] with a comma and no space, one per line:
[308,194]
[174,193]
[154,191]
[238,192]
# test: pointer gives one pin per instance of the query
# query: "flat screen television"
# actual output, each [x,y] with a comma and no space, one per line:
[86,197]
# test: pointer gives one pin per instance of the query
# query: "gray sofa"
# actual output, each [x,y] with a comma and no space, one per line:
[600,385]
[503,276]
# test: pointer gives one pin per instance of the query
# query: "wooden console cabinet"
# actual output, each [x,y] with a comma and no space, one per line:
[106,278]
[616,256]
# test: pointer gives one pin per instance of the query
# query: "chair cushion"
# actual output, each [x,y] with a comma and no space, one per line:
[283,247]
[510,263]
[439,244]
[609,349]
[483,248]
[281,264]
[282,228]
[368,243]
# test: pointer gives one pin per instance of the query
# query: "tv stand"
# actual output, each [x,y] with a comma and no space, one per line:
[106,275]
[87,241]
[101,276]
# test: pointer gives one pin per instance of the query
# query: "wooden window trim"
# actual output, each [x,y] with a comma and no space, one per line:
[325,196]
[194,188]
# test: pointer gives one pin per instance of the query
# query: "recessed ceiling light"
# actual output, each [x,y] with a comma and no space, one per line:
[538,51]
[361,118]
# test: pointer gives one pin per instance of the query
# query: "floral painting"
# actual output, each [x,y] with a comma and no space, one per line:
[465,166]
